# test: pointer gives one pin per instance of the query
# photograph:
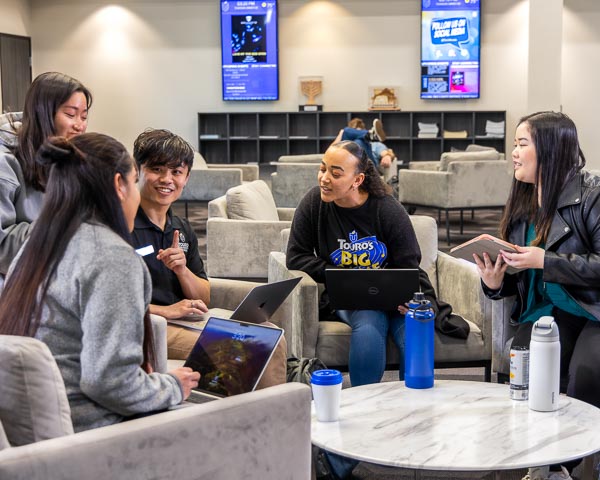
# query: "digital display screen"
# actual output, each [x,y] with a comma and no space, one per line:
[249,50]
[450,48]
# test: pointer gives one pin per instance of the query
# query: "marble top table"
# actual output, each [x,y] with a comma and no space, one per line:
[456,425]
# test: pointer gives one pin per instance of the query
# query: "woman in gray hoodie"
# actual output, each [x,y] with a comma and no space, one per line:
[78,286]
[55,104]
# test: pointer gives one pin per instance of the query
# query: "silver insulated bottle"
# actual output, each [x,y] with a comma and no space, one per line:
[544,366]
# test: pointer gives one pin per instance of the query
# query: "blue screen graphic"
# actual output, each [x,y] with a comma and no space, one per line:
[450,47]
[249,50]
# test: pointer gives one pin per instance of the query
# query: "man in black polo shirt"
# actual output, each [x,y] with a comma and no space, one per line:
[168,243]
[169,246]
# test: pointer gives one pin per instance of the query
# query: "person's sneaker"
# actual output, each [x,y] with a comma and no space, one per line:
[377,133]
[543,473]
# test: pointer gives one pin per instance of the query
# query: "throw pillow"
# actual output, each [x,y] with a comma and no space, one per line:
[33,404]
[251,201]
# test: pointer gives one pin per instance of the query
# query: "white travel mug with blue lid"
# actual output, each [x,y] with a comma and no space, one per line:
[327,388]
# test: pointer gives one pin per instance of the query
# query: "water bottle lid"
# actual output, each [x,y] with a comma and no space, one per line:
[545,330]
[418,297]
[419,302]
[326,377]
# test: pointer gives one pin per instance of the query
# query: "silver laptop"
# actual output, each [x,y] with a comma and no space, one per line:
[231,357]
[371,289]
[257,307]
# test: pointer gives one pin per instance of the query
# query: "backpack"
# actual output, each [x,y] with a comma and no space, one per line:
[300,369]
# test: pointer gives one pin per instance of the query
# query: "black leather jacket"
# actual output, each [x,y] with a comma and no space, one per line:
[572,255]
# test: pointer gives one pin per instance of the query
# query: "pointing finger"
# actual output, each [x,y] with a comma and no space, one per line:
[175,243]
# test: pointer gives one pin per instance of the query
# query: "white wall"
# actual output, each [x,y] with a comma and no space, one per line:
[581,73]
[15,17]
[157,62]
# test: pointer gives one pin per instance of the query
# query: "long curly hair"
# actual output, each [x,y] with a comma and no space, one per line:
[372,184]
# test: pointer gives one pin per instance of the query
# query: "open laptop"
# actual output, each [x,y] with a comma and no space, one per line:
[371,289]
[257,307]
[231,357]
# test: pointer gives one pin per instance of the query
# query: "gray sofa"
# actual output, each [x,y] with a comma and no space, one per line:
[295,175]
[459,181]
[455,281]
[209,181]
[260,435]
[243,226]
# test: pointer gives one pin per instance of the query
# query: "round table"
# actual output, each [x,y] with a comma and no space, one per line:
[456,425]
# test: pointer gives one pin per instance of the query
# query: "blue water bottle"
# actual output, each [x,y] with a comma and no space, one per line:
[418,349]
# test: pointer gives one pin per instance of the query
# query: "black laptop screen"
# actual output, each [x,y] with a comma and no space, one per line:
[231,356]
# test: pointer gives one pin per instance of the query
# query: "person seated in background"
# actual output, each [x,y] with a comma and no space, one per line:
[55,104]
[78,286]
[553,215]
[169,245]
[370,141]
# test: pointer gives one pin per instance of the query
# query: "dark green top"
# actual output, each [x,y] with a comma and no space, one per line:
[544,296]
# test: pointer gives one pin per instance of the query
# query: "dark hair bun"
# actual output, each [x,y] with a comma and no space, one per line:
[57,150]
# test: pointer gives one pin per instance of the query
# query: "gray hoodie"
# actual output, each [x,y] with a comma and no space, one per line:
[92,321]
[20,204]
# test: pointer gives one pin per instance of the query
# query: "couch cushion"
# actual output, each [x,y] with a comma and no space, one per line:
[33,404]
[427,236]
[473,147]
[306,158]
[199,162]
[448,157]
[251,201]
[333,346]
[3,440]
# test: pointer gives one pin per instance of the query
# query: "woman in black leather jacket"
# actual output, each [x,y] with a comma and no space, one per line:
[553,213]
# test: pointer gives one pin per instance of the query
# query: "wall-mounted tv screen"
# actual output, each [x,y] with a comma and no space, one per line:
[450,41]
[249,50]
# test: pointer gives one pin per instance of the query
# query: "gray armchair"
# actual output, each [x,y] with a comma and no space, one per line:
[259,435]
[291,181]
[455,281]
[297,174]
[243,226]
[209,181]
[463,181]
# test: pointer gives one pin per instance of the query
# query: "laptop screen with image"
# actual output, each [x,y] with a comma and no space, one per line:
[231,356]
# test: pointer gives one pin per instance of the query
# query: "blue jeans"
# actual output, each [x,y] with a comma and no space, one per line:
[367,360]
[370,329]
[359,136]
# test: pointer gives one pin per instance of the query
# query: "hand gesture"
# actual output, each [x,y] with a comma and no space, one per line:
[188,379]
[173,257]
[526,257]
[491,273]
[184,308]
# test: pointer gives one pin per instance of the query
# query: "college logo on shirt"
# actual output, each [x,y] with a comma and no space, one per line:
[367,252]
[185,246]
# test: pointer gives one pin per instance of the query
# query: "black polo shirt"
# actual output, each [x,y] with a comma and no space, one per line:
[166,289]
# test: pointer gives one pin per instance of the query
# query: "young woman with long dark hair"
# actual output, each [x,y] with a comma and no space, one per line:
[78,286]
[553,214]
[55,105]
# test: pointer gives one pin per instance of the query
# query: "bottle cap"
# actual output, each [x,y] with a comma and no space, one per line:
[418,297]
[545,330]
[326,377]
